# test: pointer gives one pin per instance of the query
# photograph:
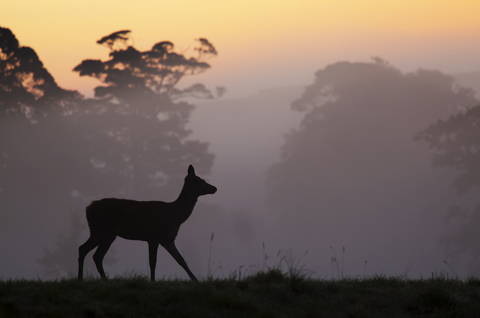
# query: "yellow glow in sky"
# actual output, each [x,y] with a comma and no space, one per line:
[252,35]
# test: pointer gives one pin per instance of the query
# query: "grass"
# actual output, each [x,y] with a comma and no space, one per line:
[271,293]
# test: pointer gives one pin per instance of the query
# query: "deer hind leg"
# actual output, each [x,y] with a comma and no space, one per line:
[152,257]
[172,249]
[100,254]
[83,250]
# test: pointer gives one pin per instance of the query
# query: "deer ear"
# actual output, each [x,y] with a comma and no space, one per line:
[191,170]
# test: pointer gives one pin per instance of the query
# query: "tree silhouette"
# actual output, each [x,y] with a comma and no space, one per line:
[130,73]
[26,87]
[140,132]
[353,156]
[456,142]
[28,95]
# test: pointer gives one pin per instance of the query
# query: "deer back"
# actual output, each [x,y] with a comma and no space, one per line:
[134,220]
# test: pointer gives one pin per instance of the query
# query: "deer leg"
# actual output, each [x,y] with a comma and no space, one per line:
[100,254]
[83,250]
[172,249]
[152,257]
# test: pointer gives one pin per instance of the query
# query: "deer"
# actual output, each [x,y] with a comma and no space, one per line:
[154,222]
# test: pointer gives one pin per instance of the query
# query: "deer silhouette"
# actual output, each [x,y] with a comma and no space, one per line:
[155,222]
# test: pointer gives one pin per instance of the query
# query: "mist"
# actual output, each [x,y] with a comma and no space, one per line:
[344,177]
[354,186]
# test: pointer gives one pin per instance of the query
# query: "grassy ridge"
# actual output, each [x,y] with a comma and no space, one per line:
[270,294]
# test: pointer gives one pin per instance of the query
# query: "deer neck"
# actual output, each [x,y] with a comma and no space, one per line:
[186,202]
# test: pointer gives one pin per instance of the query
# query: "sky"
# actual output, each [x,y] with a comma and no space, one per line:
[261,44]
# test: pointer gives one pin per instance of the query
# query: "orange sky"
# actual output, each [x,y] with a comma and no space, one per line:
[261,44]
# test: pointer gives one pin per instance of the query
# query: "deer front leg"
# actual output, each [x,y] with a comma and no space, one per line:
[152,257]
[172,249]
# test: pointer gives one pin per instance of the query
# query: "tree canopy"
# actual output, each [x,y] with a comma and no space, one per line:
[158,70]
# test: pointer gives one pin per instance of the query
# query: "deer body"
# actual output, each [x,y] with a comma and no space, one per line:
[155,222]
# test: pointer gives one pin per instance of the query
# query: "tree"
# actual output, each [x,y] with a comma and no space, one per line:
[359,116]
[156,71]
[352,169]
[456,142]
[28,95]
[140,132]
[26,87]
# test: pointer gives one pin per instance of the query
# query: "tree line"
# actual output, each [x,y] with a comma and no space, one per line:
[361,152]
